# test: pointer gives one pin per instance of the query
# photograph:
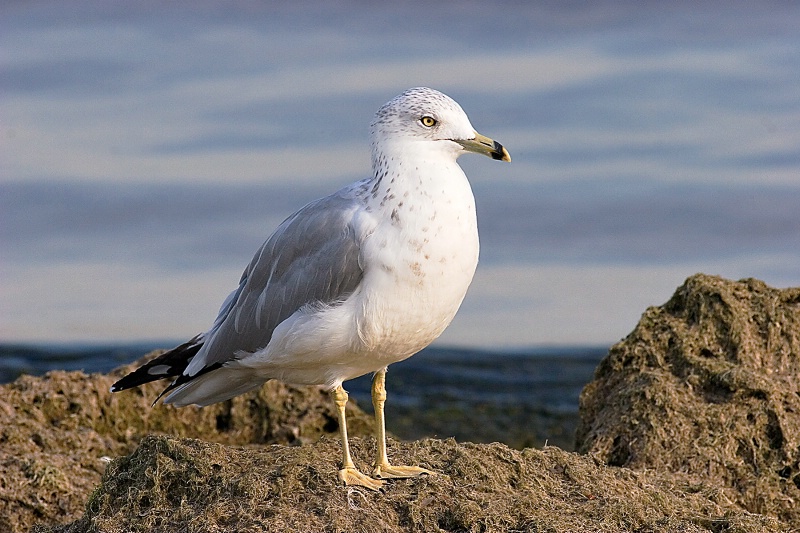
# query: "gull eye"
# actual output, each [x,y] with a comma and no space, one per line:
[427,121]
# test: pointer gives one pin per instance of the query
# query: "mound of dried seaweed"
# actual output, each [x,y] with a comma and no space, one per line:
[691,424]
[707,386]
[57,431]
[172,484]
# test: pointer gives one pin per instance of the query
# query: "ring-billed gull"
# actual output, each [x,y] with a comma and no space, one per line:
[350,283]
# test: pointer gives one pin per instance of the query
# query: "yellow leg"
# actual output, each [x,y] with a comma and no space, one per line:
[383,469]
[349,475]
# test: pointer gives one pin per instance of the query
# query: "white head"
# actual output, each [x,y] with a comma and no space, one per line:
[426,115]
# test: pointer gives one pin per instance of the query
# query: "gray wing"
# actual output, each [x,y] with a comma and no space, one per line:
[313,257]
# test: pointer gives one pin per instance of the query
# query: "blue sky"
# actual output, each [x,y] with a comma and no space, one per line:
[146,152]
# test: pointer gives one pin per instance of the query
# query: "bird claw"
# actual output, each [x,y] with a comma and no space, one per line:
[352,477]
[387,471]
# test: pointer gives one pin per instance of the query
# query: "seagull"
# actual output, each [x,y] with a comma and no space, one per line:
[352,282]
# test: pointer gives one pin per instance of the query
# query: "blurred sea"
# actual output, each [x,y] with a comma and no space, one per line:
[522,398]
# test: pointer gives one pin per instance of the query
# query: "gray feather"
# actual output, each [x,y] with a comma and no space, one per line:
[311,258]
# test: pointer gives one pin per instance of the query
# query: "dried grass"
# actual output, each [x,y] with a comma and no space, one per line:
[707,387]
[690,425]
[172,484]
[58,431]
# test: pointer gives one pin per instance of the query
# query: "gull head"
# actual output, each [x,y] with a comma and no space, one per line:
[427,119]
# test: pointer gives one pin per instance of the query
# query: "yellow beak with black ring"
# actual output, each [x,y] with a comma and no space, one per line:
[481,144]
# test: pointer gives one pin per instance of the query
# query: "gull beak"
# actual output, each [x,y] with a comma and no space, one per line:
[481,144]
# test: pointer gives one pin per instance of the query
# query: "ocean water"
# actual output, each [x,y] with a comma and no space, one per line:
[522,398]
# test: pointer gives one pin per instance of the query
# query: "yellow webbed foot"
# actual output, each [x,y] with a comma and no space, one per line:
[352,477]
[387,471]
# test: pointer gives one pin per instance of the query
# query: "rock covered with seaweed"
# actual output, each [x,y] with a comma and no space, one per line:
[708,387]
[691,424]
[58,431]
[172,484]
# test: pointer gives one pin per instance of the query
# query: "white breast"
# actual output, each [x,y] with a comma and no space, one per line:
[419,261]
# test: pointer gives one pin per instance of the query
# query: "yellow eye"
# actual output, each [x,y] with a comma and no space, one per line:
[427,121]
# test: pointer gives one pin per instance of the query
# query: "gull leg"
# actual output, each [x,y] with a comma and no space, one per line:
[349,475]
[383,469]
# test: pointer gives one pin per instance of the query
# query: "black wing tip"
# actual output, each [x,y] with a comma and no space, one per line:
[119,386]
[130,381]
[173,361]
